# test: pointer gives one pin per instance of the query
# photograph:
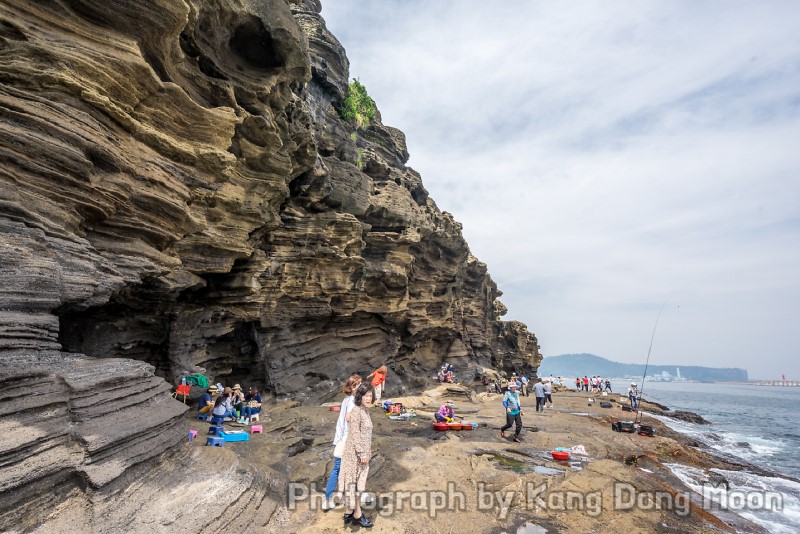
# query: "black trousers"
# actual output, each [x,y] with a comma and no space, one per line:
[540,404]
[512,419]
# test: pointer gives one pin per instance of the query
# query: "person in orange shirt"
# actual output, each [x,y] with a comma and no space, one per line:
[378,381]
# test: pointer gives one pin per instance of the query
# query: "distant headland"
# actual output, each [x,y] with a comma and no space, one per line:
[590,364]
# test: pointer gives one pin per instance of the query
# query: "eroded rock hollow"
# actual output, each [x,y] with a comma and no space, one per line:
[179,194]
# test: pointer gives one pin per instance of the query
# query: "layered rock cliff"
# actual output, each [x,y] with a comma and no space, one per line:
[178,194]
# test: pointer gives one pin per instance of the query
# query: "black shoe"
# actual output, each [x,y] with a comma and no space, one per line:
[363,521]
[348,518]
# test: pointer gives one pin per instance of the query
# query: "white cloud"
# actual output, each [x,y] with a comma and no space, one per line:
[605,157]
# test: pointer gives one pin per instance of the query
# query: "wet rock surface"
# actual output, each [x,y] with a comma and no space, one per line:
[689,417]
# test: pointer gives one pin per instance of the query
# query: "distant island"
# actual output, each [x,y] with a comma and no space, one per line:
[589,364]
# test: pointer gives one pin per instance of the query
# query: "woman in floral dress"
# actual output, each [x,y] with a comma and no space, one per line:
[355,459]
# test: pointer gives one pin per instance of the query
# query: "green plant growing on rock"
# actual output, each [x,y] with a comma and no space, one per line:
[358,108]
[360,159]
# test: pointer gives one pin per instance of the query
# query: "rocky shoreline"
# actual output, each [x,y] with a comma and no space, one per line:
[429,481]
[423,480]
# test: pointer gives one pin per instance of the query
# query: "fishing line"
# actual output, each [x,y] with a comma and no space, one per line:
[647,362]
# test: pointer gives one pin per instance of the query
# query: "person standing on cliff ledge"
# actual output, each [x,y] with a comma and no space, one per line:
[378,381]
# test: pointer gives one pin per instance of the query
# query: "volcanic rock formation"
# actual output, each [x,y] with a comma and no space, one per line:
[179,194]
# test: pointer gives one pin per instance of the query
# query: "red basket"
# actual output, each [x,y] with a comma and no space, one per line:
[440,426]
[560,455]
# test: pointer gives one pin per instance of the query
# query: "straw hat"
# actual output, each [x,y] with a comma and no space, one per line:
[212,388]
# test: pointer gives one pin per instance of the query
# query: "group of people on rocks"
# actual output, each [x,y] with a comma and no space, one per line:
[352,439]
[446,374]
[511,389]
[596,384]
[230,403]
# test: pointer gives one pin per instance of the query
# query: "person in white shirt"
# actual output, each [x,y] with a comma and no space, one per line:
[633,395]
[340,437]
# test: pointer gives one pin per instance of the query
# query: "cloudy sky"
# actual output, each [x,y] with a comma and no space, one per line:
[607,157]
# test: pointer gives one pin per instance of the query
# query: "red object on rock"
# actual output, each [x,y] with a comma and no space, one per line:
[334,408]
[560,455]
[440,426]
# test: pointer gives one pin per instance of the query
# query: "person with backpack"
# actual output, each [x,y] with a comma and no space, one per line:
[513,411]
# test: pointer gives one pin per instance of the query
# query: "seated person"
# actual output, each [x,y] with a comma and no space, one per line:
[445,413]
[448,377]
[252,406]
[441,375]
[222,409]
[237,398]
[206,402]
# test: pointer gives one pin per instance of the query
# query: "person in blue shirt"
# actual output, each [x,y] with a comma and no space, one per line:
[206,402]
[513,411]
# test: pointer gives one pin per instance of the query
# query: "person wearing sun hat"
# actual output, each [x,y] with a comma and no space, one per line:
[445,413]
[237,398]
[206,402]
[513,411]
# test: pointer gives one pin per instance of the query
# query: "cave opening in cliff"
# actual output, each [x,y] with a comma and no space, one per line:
[121,328]
[254,44]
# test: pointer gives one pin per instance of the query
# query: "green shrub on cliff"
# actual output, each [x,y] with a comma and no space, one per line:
[358,108]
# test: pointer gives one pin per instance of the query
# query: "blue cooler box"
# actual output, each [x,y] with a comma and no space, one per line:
[235,435]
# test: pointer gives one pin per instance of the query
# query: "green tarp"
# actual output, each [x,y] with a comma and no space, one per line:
[197,380]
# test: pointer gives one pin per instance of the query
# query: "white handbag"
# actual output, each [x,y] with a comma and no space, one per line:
[338,451]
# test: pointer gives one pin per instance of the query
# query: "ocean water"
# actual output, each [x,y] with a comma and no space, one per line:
[758,424]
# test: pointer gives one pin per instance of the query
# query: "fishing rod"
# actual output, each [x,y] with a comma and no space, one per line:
[647,362]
